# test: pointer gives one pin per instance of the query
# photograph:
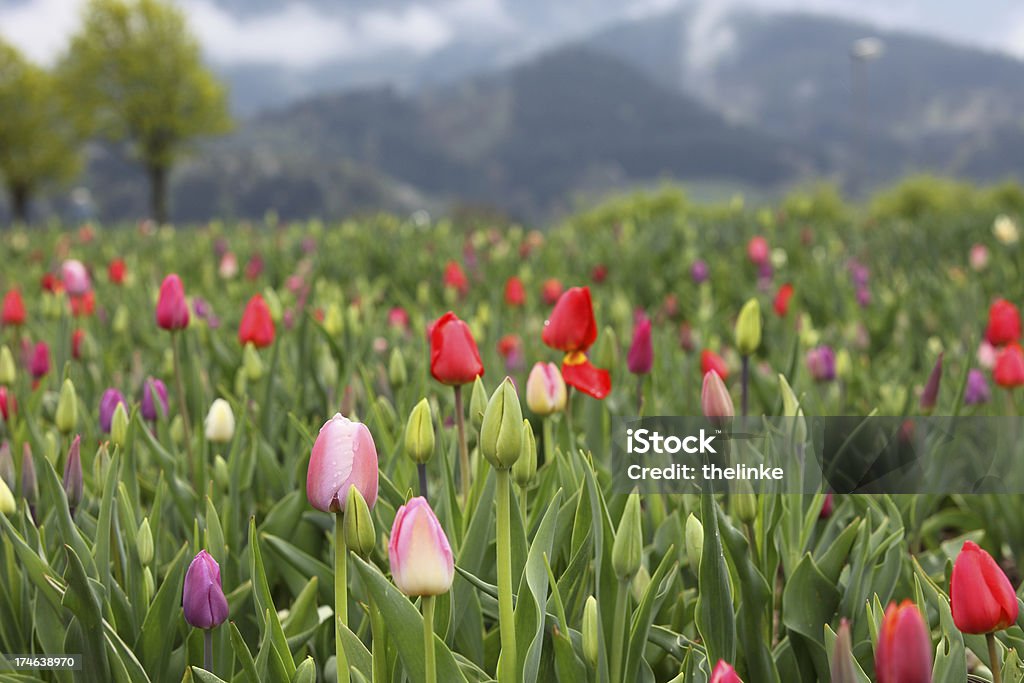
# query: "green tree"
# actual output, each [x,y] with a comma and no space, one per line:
[37,140]
[139,75]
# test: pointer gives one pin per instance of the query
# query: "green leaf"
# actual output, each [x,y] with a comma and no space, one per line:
[716,621]
[533,594]
[162,615]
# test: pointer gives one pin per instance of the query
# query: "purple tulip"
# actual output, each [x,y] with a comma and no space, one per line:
[977,390]
[863,297]
[821,362]
[148,408]
[108,404]
[73,475]
[931,390]
[699,271]
[641,353]
[203,597]
[860,274]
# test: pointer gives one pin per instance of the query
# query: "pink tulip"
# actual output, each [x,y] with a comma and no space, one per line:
[641,352]
[715,400]
[75,277]
[545,389]
[171,307]
[724,673]
[343,456]
[421,558]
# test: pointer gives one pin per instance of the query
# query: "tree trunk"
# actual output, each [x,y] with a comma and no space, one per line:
[19,202]
[158,193]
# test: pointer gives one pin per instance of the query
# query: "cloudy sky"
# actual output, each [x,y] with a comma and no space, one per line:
[311,33]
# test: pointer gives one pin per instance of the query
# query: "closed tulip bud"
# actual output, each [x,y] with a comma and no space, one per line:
[930,395]
[421,558]
[252,364]
[360,536]
[1009,368]
[694,538]
[148,585]
[154,399]
[419,433]
[7,472]
[7,504]
[171,307]
[638,586]
[1004,325]
[220,422]
[29,491]
[590,632]
[715,400]
[221,475]
[8,370]
[454,357]
[477,403]
[73,474]
[501,433]
[52,447]
[111,399]
[844,365]
[119,426]
[606,355]
[641,352]
[843,670]
[545,389]
[397,372]
[628,547]
[273,302]
[66,417]
[333,320]
[119,323]
[8,405]
[13,309]
[178,430]
[144,542]
[791,409]
[343,456]
[100,463]
[748,328]
[257,325]
[724,673]
[75,277]
[525,468]
[980,595]
[904,650]
[744,501]
[203,597]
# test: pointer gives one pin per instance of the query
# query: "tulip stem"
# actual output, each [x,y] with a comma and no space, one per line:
[208,649]
[506,615]
[993,658]
[379,655]
[340,596]
[460,422]
[745,385]
[428,638]
[421,468]
[568,417]
[640,395]
[179,382]
[619,630]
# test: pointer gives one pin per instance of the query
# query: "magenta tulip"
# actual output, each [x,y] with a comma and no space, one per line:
[171,307]
[343,455]
[421,558]
[641,352]
[203,597]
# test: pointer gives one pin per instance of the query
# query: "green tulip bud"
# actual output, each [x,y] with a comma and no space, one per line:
[8,370]
[66,417]
[120,321]
[477,403]
[100,462]
[7,504]
[360,535]
[791,409]
[397,373]
[147,583]
[419,433]
[843,669]
[590,632]
[273,302]
[220,472]
[327,366]
[305,672]
[333,322]
[844,364]
[178,430]
[748,328]
[525,468]
[694,538]
[638,586]
[241,382]
[144,542]
[743,501]
[252,363]
[119,426]
[52,452]
[501,433]
[628,548]
[607,353]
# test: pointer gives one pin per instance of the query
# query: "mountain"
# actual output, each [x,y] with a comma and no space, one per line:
[525,140]
[924,103]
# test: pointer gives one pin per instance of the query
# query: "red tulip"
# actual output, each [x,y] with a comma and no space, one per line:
[757,250]
[980,595]
[51,283]
[578,372]
[171,308]
[508,345]
[454,358]
[39,364]
[83,305]
[14,308]
[1009,368]
[116,271]
[571,326]
[641,352]
[782,298]
[254,267]
[904,652]
[257,327]
[8,406]
[77,337]
[1003,323]
[827,506]
[709,360]
[598,273]
[550,291]
[724,673]
[398,317]
[515,293]
[455,279]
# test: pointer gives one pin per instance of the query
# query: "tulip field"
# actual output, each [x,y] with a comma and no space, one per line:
[381,450]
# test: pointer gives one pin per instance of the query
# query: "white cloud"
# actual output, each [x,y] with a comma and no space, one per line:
[40,28]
